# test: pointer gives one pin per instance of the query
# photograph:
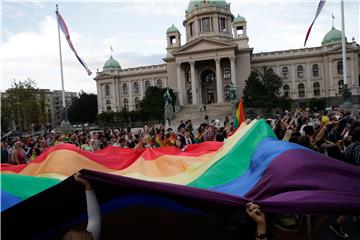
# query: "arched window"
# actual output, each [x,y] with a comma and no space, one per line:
[107,90]
[125,89]
[316,89]
[227,73]
[340,67]
[189,96]
[108,107]
[301,89]
[227,93]
[147,85]
[159,83]
[315,70]
[341,86]
[126,103]
[285,72]
[300,71]
[136,87]
[137,103]
[286,89]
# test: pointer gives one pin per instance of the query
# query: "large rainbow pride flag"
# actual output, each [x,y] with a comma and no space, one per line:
[252,165]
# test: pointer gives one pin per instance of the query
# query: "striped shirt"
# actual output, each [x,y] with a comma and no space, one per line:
[352,153]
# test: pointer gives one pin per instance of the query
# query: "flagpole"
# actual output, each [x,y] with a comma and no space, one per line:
[65,125]
[61,64]
[346,92]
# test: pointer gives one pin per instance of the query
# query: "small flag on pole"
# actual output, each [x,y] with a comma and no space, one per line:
[66,32]
[240,116]
[111,49]
[320,7]
[332,19]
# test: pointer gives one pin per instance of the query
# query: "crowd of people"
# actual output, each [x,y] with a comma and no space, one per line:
[335,133]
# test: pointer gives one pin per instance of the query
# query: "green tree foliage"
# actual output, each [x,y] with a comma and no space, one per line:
[21,105]
[152,106]
[262,89]
[151,109]
[83,109]
[317,104]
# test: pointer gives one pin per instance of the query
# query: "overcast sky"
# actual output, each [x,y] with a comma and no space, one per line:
[136,31]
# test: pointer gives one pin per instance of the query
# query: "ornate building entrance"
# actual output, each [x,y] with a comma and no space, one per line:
[208,87]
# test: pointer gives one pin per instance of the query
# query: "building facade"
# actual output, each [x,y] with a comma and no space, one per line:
[217,55]
[53,104]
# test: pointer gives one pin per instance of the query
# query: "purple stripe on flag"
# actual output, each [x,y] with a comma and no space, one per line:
[65,30]
[320,7]
[305,182]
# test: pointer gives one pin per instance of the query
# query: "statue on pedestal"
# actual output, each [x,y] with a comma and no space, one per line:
[168,108]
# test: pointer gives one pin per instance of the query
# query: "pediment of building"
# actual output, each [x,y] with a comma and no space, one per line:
[202,45]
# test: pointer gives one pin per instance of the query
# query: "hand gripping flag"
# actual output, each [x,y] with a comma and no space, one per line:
[65,30]
[320,6]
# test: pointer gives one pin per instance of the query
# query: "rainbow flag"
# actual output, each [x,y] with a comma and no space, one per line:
[240,116]
[252,165]
[159,141]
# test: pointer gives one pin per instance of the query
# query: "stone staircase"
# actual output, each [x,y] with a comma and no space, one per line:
[214,111]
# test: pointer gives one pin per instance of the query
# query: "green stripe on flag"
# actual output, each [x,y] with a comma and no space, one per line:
[237,160]
[25,186]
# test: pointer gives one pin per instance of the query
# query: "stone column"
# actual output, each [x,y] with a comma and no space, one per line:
[233,71]
[215,25]
[193,83]
[293,76]
[352,74]
[309,71]
[131,107]
[99,97]
[116,94]
[179,79]
[331,77]
[219,82]
[196,27]
[141,85]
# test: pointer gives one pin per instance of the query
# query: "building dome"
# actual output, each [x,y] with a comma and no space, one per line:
[195,4]
[333,36]
[172,29]
[239,19]
[111,64]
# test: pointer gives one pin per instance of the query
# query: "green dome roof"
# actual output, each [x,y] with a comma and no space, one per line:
[239,19]
[172,29]
[333,36]
[195,4]
[111,64]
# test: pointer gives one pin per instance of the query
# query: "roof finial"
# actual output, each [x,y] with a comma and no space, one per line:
[332,18]
[111,49]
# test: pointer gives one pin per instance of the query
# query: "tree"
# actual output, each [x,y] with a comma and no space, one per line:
[21,104]
[262,89]
[83,109]
[152,106]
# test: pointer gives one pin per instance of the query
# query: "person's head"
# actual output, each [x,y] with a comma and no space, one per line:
[187,132]
[219,137]
[355,135]
[334,152]
[325,113]
[304,141]
[78,235]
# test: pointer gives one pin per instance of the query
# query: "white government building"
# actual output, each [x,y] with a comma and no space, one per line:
[217,54]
